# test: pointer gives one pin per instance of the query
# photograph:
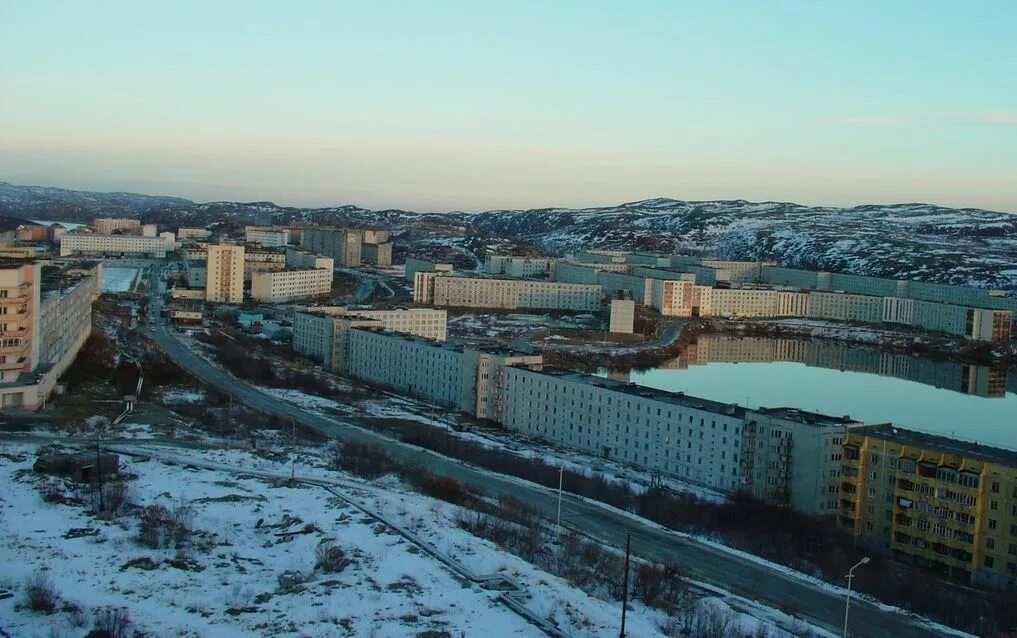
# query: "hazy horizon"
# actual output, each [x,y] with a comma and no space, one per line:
[464,106]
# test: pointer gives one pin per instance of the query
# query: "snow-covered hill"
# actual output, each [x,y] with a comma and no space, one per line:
[920,241]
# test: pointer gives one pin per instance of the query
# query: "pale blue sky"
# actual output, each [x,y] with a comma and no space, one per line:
[473,105]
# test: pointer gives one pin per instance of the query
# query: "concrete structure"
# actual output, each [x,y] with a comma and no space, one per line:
[377,254]
[321,333]
[414,265]
[196,273]
[98,245]
[267,236]
[45,318]
[193,233]
[623,315]
[477,292]
[929,500]
[110,225]
[225,279]
[296,258]
[149,230]
[423,285]
[258,259]
[342,244]
[785,456]
[518,266]
[282,286]
[467,380]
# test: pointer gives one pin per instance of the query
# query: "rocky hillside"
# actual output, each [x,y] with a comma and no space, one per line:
[921,241]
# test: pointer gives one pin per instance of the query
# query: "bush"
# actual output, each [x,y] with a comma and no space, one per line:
[362,459]
[330,558]
[162,528]
[40,594]
[111,622]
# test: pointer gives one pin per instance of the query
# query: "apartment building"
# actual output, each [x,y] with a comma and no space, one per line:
[104,245]
[414,265]
[341,244]
[623,316]
[110,225]
[45,318]
[267,236]
[785,456]
[476,292]
[281,286]
[842,306]
[376,248]
[520,267]
[224,282]
[296,258]
[193,233]
[423,285]
[932,501]
[639,288]
[321,333]
[464,379]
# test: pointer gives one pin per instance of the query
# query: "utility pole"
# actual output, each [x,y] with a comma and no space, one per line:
[293,450]
[847,601]
[625,583]
[98,468]
[561,481]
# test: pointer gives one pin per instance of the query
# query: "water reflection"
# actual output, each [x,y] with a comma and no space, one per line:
[982,381]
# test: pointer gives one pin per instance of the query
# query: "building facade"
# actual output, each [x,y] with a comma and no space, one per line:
[282,286]
[341,244]
[100,245]
[110,225]
[224,282]
[477,292]
[267,236]
[932,501]
[414,265]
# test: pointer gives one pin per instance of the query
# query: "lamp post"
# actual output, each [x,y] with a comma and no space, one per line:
[847,601]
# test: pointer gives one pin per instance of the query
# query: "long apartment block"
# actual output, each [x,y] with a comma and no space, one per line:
[322,333]
[45,318]
[781,455]
[932,501]
[100,245]
[511,294]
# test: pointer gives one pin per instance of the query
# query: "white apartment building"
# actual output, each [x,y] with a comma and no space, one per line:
[193,233]
[423,285]
[845,307]
[518,266]
[102,245]
[414,265]
[224,282]
[296,258]
[282,286]
[785,456]
[267,236]
[109,225]
[45,318]
[467,380]
[321,333]
[476,292]
[623,316]
[342,244]
[257,259]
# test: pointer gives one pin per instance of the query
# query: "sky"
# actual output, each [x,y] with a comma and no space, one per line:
[477,105]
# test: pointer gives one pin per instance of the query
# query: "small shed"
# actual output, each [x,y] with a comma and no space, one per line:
[81,467]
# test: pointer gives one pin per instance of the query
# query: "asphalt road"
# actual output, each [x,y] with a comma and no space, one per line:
[723,569]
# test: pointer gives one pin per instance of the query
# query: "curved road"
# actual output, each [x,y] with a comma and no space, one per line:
[723,569]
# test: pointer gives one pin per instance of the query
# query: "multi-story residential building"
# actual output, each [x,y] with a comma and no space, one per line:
[321,332]
[933,501]
[639,288]
[414,265]
[267,236]
[468,380]
[845,307]
[110,225]
[225,274]
[478,292]
[196,272]
[785,456]
[193,233]
[377,254]
[257,259]
[296,258]
[100,245]
[342,244]
[282,286]
[518,266]
[623,315]
[45,318]
[423,285]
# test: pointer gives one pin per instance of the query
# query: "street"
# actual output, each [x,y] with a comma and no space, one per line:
[729,571]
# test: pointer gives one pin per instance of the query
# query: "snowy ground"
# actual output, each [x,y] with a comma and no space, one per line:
[116,280]
[224,582]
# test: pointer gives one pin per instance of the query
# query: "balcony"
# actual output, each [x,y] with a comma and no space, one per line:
[14,349]
[16,299]
[13,363]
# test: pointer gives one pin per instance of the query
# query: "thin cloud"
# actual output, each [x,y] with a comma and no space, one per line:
[980,119]
[994,119]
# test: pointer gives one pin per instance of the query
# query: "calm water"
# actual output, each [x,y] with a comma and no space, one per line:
[836,380]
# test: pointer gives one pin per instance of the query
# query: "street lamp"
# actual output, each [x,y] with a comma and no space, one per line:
[847,601]
[561,481]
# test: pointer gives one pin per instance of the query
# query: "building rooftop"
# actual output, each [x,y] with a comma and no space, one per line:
[807,416]
[968,449]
